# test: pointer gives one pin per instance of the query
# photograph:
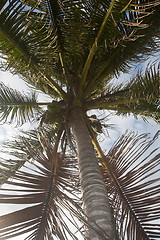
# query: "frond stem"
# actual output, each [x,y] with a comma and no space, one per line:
[54,166]
[103,97]
[24,104]
[55,158]
[106,105]
[93,49]
[99,76]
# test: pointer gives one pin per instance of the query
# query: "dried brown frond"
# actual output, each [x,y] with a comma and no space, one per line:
[133,185]
[48,195]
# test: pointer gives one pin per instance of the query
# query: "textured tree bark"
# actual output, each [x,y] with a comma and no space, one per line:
[95,197]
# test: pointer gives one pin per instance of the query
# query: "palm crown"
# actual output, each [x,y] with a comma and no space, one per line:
[71,50]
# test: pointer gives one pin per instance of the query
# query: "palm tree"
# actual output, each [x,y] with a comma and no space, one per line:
[71,50]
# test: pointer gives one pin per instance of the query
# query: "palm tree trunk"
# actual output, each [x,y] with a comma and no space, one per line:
[95,198]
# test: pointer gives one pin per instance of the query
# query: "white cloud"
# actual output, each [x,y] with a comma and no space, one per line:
[12,81]
[127,123]
[6,132]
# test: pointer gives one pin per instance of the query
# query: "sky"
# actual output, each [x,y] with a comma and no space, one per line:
[121,124]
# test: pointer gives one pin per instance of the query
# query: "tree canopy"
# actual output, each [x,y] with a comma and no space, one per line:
[72,50]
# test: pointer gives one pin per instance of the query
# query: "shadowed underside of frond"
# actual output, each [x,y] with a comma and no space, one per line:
[140,96]
[46,138]
[8,168]
[50,196]
[52,44]
[26,52]
[134,186]
[16,106]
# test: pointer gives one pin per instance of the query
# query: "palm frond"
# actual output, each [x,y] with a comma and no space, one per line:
[8,169]
[141,108]
[15,148]
[56,14]
[95,46]
[140,96]
[132,180]
[24,50]
[38,38]
[16,106]
[50,196]
[130,43]
[146,86]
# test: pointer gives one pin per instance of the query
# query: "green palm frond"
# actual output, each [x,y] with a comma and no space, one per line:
[133,185]
[24,50]
[140,96]
[53,40]
[95,46]
[147,86]
[141,108]
[16,106]
[130,44]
